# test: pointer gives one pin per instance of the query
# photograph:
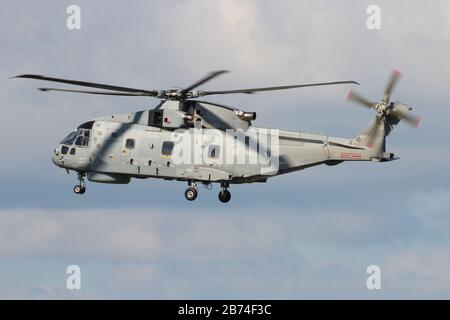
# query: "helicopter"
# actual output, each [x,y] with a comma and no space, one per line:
[229,148]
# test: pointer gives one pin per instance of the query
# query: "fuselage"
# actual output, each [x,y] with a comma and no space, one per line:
[116,149]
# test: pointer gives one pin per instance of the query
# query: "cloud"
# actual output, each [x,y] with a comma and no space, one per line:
[432,208]
[127,235]
[92,234]
[413,272]
[160,253]
[183,235]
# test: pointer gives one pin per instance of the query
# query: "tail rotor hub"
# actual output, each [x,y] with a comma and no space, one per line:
[381,109]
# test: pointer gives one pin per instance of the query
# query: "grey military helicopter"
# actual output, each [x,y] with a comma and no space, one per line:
[141,145]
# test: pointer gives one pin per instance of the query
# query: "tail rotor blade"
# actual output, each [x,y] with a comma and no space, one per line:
[359,99]
[372,134]
[410,119]
[392,83]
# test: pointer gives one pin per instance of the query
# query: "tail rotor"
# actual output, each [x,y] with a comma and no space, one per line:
[385,107]
[387,112]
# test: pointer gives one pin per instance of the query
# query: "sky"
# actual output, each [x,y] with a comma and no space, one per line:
[305,235]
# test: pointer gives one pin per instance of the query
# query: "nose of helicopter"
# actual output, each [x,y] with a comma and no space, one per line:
[57,157]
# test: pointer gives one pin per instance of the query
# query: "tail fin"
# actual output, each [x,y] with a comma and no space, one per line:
[374,136]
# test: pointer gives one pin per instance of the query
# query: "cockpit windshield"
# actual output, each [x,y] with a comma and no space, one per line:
[70,138]
[80,136]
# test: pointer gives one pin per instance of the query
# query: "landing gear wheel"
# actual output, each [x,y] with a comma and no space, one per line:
[224,196]
[191,193]
[79,189]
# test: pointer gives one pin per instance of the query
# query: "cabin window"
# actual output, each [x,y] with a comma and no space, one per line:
[167,148]
[213,151]
[130,144]
[64,149]
[72,151]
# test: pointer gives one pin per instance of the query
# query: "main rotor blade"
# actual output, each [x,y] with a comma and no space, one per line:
[253,90]
[112,93]
[85,84]
[203,80]
[392,83]
[359,99]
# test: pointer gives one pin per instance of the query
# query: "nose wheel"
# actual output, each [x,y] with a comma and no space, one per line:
[80,188]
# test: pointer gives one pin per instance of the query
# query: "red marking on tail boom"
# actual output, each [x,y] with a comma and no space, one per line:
[350,156]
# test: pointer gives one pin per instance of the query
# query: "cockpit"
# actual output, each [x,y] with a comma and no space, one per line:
[73,151]
[80,136]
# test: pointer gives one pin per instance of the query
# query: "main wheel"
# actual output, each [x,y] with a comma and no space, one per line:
[191,193]
[79,189]
[224,196]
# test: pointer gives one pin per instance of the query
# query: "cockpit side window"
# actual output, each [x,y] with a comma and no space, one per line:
[83,138]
